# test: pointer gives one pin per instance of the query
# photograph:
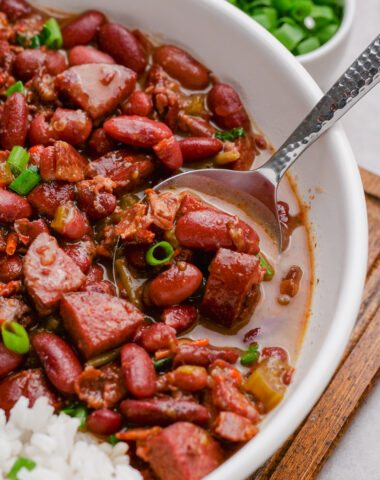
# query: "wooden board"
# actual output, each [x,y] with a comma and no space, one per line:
[304,454]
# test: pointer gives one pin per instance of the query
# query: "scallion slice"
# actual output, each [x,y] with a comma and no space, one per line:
[301,10]
[35,42]
[160,253]
[51,35]
[322,15]
[15,337]
[76,410]
[162,362]
[16,87]
[230,135]
[18,159]
[267,17]
[20,463]
[327,32]
[265,264]
[250,355]
[308,45]
[289,35]
[26,181]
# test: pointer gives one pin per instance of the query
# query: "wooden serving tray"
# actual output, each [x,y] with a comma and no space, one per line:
[305,452]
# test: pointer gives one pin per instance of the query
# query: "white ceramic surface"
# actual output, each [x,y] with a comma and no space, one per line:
[324,64]
[278,92]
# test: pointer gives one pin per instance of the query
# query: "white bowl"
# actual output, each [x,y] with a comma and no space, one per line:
[278,92]
[324,64]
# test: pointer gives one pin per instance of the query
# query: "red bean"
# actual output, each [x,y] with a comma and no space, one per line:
[198,148]
[209,229]
[47,197]
[196,126]
[9,360]
[139,373]
[55,63]
[104,422]
[14,122]
[60,362]
[275,352]
[96,206]
[15,9]
[82,29]
[82,253]
[123,46]
[137,131]
[30,61]
[100,143]
[182,66]
[40,132]
[202,356]
[158,336]
[175,285]
[190,378]
[10,268]
[225,104]
[71,126]
[169,152]
[80,55]
[13,207]
[139,103]
[180,317]
[74,225]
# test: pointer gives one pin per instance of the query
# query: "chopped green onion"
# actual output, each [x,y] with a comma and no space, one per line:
[35,42]
[26,181]
[250,355]
[16,87]
[15,337]
[162,362]
[322,15]
[265,264]
[301,10]
[77,411]
[18,159]
[20,463]
[113,440]
[51,35]
[308,45]
[21,39]
[283,5]
[230,135]
[289,35]
[327,32]
[152,256]
[267,17]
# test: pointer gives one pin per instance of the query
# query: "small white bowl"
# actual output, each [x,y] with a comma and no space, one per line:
[324,64]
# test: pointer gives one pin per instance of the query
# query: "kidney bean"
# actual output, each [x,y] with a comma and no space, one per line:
[69,222]
[225,104]
[82,253]
[139,103]
[187,377]
[15,9]
[82,29]
[80,55]
[169,152]
[60,362]
[196,126]
[139,373]
[136,130]
[104,422]
[47,197]
[210,229]
[9,360]
[180,317]
[30,61]
[55,63]
[10,268]
[71,126]
[182,66]
[290,284]
[100,143]
[40,132]
[163,411]
[198,148]
[275,352]
[13,207]
[14,121]
[202,356]
[158,336]
[96,205]
[123,46]
[175,285]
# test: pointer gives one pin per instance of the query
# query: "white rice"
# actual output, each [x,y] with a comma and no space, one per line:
[58,449]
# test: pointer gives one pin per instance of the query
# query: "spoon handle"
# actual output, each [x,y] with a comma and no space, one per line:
[358,80]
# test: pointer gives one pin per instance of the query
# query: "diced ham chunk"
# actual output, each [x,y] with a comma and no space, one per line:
[229,292]
[28,383]
[183,451]
[62,162]
[14,310]
[98,87]
[135,224]
[49,273]
[98,322]
[101,387]
[234,427]
[162,208]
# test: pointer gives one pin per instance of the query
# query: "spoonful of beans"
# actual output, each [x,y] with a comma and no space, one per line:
[257,189]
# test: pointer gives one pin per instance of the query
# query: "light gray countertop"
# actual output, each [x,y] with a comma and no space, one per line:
[357,456]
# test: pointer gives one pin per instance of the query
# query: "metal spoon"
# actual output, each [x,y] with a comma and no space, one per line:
[258,188]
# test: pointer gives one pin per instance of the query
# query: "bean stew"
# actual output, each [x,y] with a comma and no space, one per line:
[167,319]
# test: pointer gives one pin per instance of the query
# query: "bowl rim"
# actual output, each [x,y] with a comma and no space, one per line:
[288,416]
[335,40]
